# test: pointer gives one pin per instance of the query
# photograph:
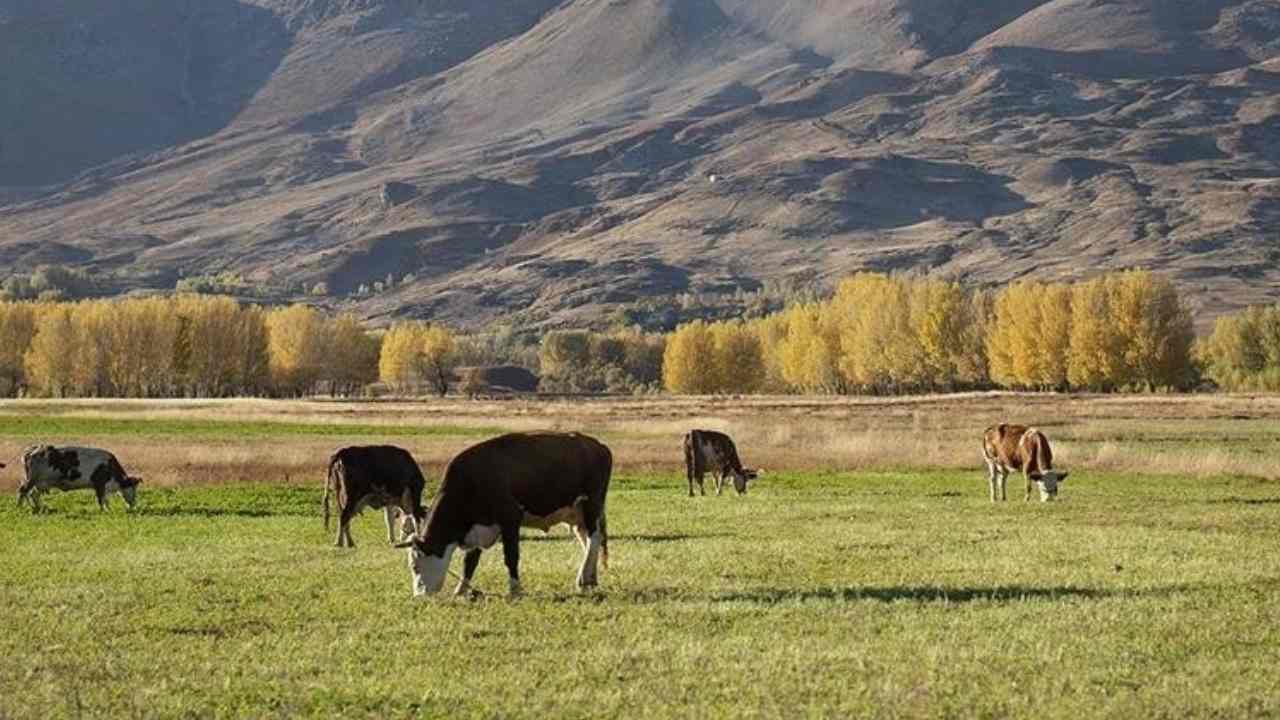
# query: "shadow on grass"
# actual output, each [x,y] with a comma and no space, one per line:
[630,537]
[917,593]
[210,512]
[1247,501]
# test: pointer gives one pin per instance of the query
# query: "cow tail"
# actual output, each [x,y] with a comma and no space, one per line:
[329,481]
[604,541]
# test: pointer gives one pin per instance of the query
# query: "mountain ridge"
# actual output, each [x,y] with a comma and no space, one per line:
[551,161]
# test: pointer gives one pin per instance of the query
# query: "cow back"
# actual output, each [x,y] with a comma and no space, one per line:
[538,472]
[1018,447]
[716,450]
[382,470]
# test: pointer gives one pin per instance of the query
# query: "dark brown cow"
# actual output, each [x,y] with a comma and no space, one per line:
[1017,447]
[492,489]
[74,468]
[714,452]
[377,476]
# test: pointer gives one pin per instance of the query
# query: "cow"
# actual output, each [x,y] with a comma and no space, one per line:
[74,468]
[710,451]
[1017,447]
[492,489]
[377,476]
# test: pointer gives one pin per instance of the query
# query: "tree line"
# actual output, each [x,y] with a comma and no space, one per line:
[883,334]
[877,334]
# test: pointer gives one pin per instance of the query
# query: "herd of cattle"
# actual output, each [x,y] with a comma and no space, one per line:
[493,489]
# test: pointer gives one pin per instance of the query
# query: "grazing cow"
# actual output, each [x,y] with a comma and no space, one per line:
[492,489]
[74,468]
[377,476]
[1017,447]
[710,451]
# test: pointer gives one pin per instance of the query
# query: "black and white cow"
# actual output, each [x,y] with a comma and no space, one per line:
[492,489]
[74,468]
[377,476]
[714,452]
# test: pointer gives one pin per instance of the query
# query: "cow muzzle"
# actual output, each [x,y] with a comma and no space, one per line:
[428,570]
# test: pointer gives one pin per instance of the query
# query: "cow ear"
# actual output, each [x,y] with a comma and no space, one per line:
[1063,476]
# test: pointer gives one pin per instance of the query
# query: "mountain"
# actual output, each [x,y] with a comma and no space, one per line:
[551,161]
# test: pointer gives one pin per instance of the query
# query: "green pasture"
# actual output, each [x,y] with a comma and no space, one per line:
[816,595]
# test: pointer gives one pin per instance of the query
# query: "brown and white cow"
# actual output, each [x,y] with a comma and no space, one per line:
[1017,447]
[377,476]
[492,489]
[74,468]
[714,452]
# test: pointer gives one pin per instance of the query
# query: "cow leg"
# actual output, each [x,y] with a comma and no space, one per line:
[993,479]
[1027,496]
[390,513]
[470,562]
[34,497]
[587,575]
[1004,485]
[345,515]
[511,554]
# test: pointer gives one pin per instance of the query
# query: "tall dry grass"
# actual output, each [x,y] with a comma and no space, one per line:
[1177,435]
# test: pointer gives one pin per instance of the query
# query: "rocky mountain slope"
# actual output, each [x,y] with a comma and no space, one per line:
[556,160]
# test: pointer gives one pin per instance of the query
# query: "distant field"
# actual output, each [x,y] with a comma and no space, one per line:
[887,588]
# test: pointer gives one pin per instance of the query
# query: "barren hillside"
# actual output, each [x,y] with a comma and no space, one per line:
[558,160]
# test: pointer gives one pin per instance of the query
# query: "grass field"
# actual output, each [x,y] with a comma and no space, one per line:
[892,589]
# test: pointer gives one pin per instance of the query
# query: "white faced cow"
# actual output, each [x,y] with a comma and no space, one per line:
[492,489]
[74,468]
[1017,447]
[377,476]
[714,452]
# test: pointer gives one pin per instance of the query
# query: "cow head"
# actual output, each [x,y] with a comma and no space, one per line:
[428,561]
[129,489]
[740,479]
[1047,482]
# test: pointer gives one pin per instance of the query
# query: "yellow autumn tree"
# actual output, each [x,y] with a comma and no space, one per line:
[296,349]
[771,332]
[1156,330]
[880,350]
[738,363]
[688,360]
[810,352]
[47,363]
[439,347]
[413,353]
[400,363]
[1243,352]
[1097,348]
[17,330]
[1029,342]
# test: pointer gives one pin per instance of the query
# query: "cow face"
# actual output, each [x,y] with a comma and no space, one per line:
[740,480]
[1048,483]
[129,490]
[428,565]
